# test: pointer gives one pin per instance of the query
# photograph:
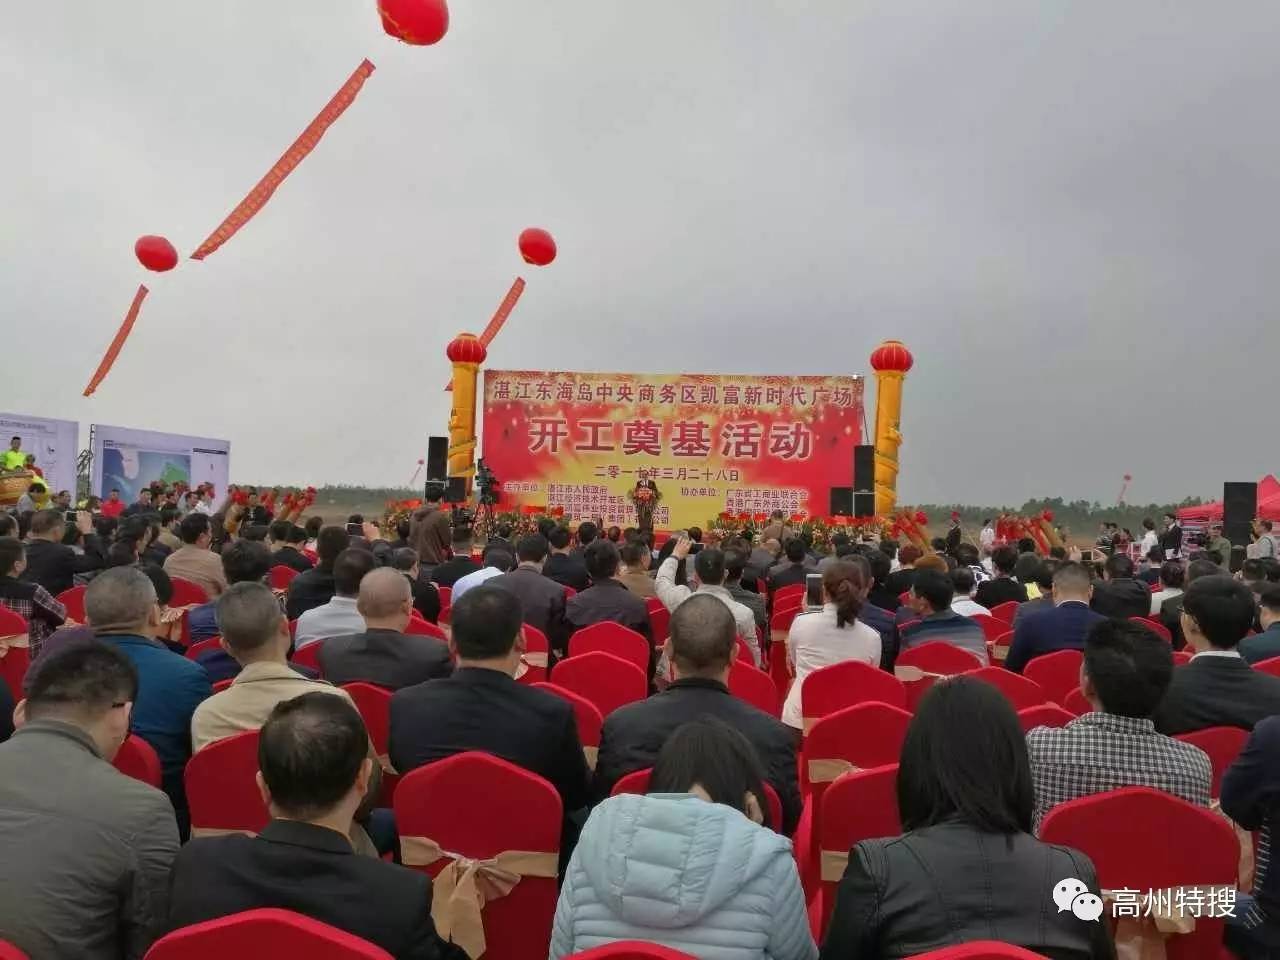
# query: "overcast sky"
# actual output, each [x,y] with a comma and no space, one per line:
[1067,210]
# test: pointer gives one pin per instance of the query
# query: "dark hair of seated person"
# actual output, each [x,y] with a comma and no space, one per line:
[601,558]
[310,751]
[486,622]
[710,754]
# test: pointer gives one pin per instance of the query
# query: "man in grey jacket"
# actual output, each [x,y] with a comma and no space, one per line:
[85,851]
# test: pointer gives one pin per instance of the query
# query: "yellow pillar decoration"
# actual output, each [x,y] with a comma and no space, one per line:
[466,353]
[890,361]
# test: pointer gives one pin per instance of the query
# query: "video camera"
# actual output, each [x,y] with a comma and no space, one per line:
[486,485]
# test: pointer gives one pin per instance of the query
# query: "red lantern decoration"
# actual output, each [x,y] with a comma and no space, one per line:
[156,253]
[537,246]
[419,23]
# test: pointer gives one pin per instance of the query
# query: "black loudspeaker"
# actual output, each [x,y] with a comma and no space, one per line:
[438,458]
[841,502]
[1239,507]
[455,490]
[864,504]
[864,480]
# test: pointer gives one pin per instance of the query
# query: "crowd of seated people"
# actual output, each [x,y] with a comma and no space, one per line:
[720,878]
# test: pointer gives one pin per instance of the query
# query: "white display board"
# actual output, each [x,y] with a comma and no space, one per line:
[129,460]
[56,444]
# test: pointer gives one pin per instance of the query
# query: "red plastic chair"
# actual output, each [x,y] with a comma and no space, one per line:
[754,686]
[607,681]
[417,627]
[1005,612]
[980,950]
[374,704]
[136,758]
[844,685]
[631,950]
[1074,702]
[1045,715]
[263,933]
[537,652]
[998,649]
[637,781]
[569,594]
[222,791]
[308,656]
[203,646]
[935,656]
[16,660]
[612,638]
[478,806]
[587,717]
[9,952]
[1271,665]
[73,600]
[1204,850]
[446,602]
[659,619]
[280,576]
[1222,744]
[792,591]
[1181,657]
[186,593]
[992,628]
[1155,626]
[1019,691]
[861,805]
[223,684]
[1058,673]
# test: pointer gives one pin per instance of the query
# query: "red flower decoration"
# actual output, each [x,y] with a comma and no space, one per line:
[1047,516]
[558,512]
[921,518]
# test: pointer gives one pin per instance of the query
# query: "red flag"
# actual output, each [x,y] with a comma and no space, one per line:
[113,351]
[499,316]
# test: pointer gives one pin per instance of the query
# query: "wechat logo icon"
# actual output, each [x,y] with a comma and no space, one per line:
[1071,894]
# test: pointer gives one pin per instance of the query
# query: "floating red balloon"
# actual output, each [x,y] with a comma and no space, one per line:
[417,22]
[156,253]
[537,246]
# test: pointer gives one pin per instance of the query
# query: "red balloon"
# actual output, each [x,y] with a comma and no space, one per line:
[537,246]
[156,253]
[417,22]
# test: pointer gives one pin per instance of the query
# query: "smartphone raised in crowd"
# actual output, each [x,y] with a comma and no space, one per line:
[813,591]
[355,530]
[71,516]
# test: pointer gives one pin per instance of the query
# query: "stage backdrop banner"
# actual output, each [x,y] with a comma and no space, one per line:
[130,459]
[711,443]
[56,444]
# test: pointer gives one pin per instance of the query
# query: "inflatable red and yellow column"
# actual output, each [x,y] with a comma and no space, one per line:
[890,361]
[466,353]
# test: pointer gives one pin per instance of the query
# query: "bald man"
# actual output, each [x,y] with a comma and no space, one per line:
[384,654]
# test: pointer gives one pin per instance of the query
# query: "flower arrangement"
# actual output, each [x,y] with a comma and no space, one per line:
[645,497]
[820,530]
[398,510]
[523,522]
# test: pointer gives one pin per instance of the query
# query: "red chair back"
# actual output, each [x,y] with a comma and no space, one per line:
[478,806]
[980,950]
[223,684]
[263,933]
[754,686]
[998,649]
[203,646]
[1178,845]
[1074,702]
[779,672]
[607,681]
[861,805]
[537,652]
[186,593]
[846,684]
[659,619]
[374,704]
[16,660]
[73,600]
[792,591]
[308,656]
[1045,715]
[631,950]
[1184,656]
[1005,612]
[936,656]
[570,593]
[587,717]
[1019,691]
[992,628]
[280,576]
[1222,744]
[1271,665]
[1155,626]
[637,781]
[446,602]
[417,627]
[612,638]
[136,758]
[1058,673]
[222,791]
[9,952]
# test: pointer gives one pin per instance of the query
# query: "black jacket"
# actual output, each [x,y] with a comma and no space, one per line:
[289,557]
[308,590]
[792,573]
[1171,617]
[542,600]
[950,884]
[451,571]
[1251,797]
[567,569]
[899,582]
[385,658]
[478,709]
[992,593]
[634,734]
[1121,598]
[426,598]
[609,601]
[54,565]
[1213,691]
[310,870]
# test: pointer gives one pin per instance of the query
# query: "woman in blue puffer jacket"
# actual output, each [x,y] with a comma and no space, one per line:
[689,866]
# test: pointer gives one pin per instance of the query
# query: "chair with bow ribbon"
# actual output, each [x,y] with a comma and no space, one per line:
[585,715]
[659,619]
[202,646]
[73,600]
[374,704]
[417,627]
[860,805]
[1005,612]
[280,576]
[1180,847]
[785,596]
[308,656]
[980,950]
[992,628]
[754,686]
[1222,744]
[628,950]
[446,603]
[637,781]
[536,656]
[136,758]
[998,649]
[222,789]
[779,629]
[1271,665]
[1058,673]
[614,638]
[488,832]
[920,666]
[847,684]
[266,932]
[187,594]
[1044,715]
[607,681]
[15,651]
[1017,689]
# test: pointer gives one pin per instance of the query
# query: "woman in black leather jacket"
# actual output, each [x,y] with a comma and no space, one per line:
[966,867]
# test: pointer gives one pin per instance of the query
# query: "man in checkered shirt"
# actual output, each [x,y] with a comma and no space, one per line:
[42,611]
[1126,671]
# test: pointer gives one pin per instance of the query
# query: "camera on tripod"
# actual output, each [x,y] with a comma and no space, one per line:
[486,485]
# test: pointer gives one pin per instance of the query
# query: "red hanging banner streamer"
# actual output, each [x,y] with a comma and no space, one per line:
[121,336]
[499,317]
[260,194]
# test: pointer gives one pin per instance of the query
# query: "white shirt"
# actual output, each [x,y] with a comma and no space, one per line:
[202,507]
[336,618]
[672,595]
[1216,653]
[987,537]
[1149,541]
[472,580]
[816,642]
[968,608]
[1160,596]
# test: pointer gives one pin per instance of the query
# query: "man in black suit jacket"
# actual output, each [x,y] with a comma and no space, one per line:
[316,770]
[563,566]
[383,654]
[460,564]
[1002,587]
[289,539]
[53,564]
[482,707]
[702,644]
[541,598]
[316,587]
[607,599]
[1120,594]
[1062,626]
[1171,609]
[1218,687]
[795,570]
